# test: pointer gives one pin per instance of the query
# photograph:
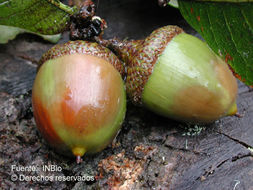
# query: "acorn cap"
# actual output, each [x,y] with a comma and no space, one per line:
[143,57]
[83,47]
[190,83]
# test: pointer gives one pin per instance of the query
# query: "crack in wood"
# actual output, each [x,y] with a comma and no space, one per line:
[239,156]
[235,158]
[236,140]
[28,58]
[211,169]
[187,150]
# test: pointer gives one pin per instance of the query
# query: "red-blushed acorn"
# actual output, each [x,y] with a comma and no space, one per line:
[177,75]
[79,98]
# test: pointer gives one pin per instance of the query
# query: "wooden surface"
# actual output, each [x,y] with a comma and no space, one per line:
[150,152]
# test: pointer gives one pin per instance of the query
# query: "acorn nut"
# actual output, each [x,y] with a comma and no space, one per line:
[79,98]
[178,76]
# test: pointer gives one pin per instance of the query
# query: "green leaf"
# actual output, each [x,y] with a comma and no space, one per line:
[39,16]
[227,27]
[10,32]
[231,1]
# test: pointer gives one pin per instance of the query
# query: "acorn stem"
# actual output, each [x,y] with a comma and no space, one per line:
[124,49]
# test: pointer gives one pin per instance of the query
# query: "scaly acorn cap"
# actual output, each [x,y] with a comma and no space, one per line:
[84,47]
[177,75]
[79,97]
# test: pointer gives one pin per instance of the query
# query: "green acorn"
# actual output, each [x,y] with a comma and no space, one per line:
[79,98]
[177,75]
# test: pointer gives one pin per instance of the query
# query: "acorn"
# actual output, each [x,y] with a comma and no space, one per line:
[177,75]
[79,97]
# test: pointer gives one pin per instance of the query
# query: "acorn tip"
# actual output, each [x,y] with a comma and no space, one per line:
[78,152]
[78,159]
[233,110]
